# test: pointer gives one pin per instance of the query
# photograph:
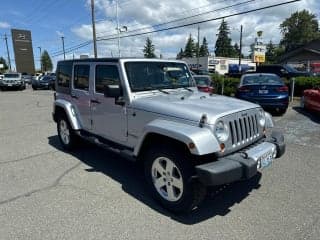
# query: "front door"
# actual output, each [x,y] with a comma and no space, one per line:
[109,119]
[80,93]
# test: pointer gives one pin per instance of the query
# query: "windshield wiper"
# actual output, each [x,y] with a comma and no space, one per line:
[189,89]
[163,91]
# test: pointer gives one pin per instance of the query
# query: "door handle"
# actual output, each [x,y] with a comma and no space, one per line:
[74,96]
[95,101]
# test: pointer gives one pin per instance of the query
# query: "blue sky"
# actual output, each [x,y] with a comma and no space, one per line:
[50,19]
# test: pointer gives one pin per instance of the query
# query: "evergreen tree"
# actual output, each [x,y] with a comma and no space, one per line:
[223,46]
[5,66]
[180,55]
[149,49]
[299,29]
[270,53]
[236,50]
[46,62]
[190,48]
[204,50]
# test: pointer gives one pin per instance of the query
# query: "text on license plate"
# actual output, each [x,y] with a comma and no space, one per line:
[263,91]
[265,160]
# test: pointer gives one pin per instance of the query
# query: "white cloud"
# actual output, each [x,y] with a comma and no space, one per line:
[147,14]
[4,25]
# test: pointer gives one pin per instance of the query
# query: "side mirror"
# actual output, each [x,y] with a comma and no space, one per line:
[112,91]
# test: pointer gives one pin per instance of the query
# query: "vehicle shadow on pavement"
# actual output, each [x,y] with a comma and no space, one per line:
[130,175]
[313,116]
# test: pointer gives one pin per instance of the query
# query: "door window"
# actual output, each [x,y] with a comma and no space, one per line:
[106,75]
[81,77]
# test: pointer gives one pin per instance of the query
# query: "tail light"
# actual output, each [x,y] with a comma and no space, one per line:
[244,89]
[282,89]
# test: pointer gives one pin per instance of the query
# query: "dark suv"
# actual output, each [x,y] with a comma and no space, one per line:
[283,71]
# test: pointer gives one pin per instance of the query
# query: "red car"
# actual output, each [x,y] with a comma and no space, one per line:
[311,99]
[204,83]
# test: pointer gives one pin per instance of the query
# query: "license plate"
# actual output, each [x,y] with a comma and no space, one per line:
[262,91]
[9,85]
[265,160]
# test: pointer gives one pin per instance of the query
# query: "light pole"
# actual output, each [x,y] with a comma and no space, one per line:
[9,61]
[40,59]
[240,48]
[119,30]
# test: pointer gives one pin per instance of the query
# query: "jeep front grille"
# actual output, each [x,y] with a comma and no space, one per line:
[243,129]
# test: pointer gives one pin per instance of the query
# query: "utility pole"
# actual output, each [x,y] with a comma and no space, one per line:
[198,46]
[40,59]
[64,52]
[94,29]
[9,61]
[240,48]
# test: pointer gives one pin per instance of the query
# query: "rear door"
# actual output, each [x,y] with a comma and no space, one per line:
[80,93]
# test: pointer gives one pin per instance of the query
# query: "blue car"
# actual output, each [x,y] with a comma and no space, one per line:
[266,89]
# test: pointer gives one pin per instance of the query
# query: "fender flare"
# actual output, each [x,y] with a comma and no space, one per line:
[203,139]
[70,111]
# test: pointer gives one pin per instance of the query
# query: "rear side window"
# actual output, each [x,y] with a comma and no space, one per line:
[64,72]
[106,75]
[81,77]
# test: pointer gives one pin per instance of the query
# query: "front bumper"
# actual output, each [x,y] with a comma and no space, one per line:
[12,84]
[241,165]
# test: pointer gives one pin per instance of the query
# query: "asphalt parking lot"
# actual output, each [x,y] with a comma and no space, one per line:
[46,193]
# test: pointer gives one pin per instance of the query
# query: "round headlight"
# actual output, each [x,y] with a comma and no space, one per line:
[262,118]
[221,131]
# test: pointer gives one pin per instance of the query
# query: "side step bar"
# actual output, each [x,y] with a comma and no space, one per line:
[123,151]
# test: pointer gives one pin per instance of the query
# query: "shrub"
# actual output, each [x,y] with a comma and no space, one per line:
[230,84]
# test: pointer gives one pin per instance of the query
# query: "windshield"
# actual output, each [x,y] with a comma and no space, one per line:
[11,75]
[202,81]
[262,79]
[144,76]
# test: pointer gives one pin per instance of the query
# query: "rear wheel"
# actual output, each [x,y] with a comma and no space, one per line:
[66,134]
[169,177]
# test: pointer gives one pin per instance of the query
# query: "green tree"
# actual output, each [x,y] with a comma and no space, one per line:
[190,48]
[204,50]
[148,49]
[270,53]
[299,29]
[5,65]
[223,46]
[46,62]
[180,55]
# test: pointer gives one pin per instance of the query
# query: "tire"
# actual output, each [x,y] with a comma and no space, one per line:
[67,136]
[34,88]
[168,173]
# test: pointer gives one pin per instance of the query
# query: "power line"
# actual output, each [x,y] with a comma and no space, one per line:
[204,21]
[186,25]
[192,16]
[175,20]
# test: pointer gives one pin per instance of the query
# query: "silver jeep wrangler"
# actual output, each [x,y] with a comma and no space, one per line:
[152,112]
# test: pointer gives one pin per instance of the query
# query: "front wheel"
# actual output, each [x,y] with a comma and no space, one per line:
[66,134]
[169,177]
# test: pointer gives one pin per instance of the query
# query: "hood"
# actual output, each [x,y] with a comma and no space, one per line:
[191,106]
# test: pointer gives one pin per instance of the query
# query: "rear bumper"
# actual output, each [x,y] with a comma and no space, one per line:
[276,102]
[240,165]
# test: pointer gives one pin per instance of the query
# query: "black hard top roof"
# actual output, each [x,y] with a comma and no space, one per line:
[91,60]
